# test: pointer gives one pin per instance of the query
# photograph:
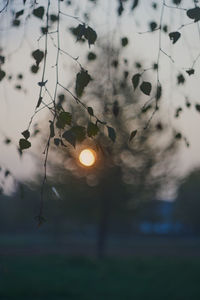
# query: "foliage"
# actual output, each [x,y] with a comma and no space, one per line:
[64,127]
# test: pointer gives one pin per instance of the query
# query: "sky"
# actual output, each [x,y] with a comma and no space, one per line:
[17,107]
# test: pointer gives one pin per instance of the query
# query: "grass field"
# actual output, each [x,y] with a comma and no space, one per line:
[59,277]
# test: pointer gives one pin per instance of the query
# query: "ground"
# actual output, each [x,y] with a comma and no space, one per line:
[36,275]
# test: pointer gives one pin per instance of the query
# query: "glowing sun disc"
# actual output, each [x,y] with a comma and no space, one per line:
[87,157]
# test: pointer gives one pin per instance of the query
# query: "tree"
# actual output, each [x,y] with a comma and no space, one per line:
[187,202]
[129,169]
[50,19]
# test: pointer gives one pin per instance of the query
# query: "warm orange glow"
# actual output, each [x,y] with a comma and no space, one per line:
[87,157]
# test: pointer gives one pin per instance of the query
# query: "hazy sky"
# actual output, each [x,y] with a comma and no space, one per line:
[17,107]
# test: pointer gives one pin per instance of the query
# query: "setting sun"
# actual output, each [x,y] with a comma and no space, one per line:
[87,157]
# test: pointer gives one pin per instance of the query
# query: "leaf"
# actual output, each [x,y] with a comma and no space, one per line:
[82,80]
[51,127]
[16,22]
[2,59]
[7,172]
[39,12]
[53,18]
[194,13]
[42,83]
[39,102]
[174,36]
[158,92]
[24,144]
[180,79]
[19,13]
[178,136]
[135,4]
[197,106]
[124,41]
[34,69]
[176,2]
[38,55]
[90,35]
[92,129]
[190,71]
[80,132]
[91,56]
[87,32]
[115,108]
[136,80]
[78,31]
[153,25]
[145,87]
[7,141]
[70,137]
[2,74]
[90,111]
[64,118]
[120,8]
[132,135]
[56,141]
[111,133]
[26,134]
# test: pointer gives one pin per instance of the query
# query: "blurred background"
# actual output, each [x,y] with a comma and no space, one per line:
[127,226]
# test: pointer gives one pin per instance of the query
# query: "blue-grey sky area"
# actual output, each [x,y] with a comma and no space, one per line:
[17,106]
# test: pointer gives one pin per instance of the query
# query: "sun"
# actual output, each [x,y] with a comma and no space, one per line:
[87,157]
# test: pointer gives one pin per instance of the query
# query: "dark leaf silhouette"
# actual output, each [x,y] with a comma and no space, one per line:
[90,35]
[87,32]
[53,18]
[194,13]
[153,26]
[174,36]
[120,8]
[26,134]
[158,92]
[7,141]
[16,23]
[2,59]
[135,4]
[165,28]
[79,132]
[19,13]
[132,135]
[24,144]
[111,133]
[51,127]
[197,106]
[178,136]
[38,56]
[39,12]
[115,108]
[145,87]
[124,41]
[90,111]
[34,69]
[70,137]
[180,79]
[64,118]
[190,72]
[39,102]
[92,129]
[82,80]
[136,80]
[42,83]
[91,56]
[2,74]
[176,2]
[56,141]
